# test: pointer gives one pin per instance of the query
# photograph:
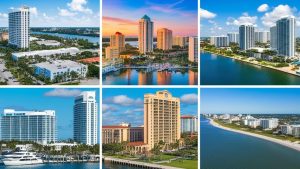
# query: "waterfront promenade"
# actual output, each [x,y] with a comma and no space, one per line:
[292,145]
[136,163]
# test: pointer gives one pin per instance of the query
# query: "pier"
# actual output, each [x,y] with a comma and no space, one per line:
[136,164]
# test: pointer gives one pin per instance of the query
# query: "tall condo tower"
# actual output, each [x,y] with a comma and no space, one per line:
[286,40]
[86,118]
[18,27]
[246,33]
[273,37]
[193,49]
[145,35]
[164,39]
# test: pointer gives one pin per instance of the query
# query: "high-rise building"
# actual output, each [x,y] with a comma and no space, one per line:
[136,134]
[270,123]
[246,33]
[273,37]
[180,41]
[86,118]
[193,49]
[219,41]
[112,52]
[161,118]
[18,27]
[145,35]
[233,37]
[37,126]
[286,40]
[262,36]
[118,40]
[164,39]
[189,124]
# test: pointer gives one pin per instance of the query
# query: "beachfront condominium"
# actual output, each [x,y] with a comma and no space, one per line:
[273,37]
[37,126]
[233,37]
[270,123]
[193,49]
[219,41]
[164,39]
[189,124]
[286,40]
[18,27]
[86,118]
[262,36]
[180,41]
[145,35]
[161,118]
[117,45]
[246,33]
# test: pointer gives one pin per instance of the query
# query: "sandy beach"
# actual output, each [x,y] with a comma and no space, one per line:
[288,144]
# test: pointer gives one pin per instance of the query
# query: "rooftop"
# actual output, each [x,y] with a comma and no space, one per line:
[146,17]
[59,64]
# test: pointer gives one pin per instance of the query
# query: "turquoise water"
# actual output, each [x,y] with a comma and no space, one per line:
[134,77]
[221,149]
[68,36]
[56,166]
[220,70]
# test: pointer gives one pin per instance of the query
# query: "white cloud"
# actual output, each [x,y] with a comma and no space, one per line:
[206,14]
[270,18]
[189,98]
[263,8]
[3,15]
[63,93]
[79,6]
[245,19]
[123,100]
[65,12]
[33,11]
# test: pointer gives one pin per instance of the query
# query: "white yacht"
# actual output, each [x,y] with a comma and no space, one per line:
[21,158]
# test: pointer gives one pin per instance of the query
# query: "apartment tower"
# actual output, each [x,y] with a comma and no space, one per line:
[246,33]
[145,35]
[193,49]
[164,39]
[161,118]
[286,40]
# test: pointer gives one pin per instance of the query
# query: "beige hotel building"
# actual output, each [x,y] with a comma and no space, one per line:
[164,39]
[117,45]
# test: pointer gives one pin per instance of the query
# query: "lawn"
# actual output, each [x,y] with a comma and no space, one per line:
[189,164]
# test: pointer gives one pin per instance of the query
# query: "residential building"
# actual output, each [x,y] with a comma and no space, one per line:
[262,36]
[180,41]
[59,146]
[219,41]
[296,131]
[286,41]
[193,49]
[136,134]
[37,126]
[161,118]
[164,39]
[115,134]
[118,40]
[253,123]
[269,123]
[112,52]
[273,37]
[61,69]
[52,43]
[86,118]
[46,53]
[145,35]
[286,129]
[246,33]
[18,27]
[3,36]
[233,37]
[189,124]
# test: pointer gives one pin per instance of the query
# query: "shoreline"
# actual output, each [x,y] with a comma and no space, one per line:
[257,64]
[288,144]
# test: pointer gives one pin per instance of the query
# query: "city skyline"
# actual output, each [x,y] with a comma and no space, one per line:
[61,99]
[130,102]
[250,101]
[161,13]
[221,19]
[58,13]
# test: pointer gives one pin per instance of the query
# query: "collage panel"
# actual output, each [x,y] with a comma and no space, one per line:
[250,128]
[250,43]
[150,127]
[150,42]
[50,128]
[50,42]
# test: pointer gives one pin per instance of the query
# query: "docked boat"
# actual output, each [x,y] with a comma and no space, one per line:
[21,158]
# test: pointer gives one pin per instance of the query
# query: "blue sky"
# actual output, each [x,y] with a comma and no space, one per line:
[221,16]
[177,15]
[55,13]
[250,100]
[61,100]
[126,105]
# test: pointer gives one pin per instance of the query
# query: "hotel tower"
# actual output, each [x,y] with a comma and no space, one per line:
[164,39]
[161,118]
[86,118]
[18,28]
[145,35]
[117,45]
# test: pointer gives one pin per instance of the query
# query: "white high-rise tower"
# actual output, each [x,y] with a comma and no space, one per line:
[145,35]
[286,40]
[246,33]
[86,118]
[18,27]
